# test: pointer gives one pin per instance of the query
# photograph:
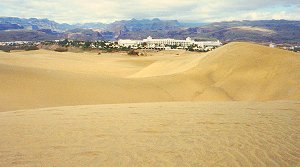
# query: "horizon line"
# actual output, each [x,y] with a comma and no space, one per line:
[180,21]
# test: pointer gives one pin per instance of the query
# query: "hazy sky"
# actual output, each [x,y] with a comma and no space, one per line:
[73,11]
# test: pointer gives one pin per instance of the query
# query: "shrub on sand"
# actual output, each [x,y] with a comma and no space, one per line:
[61,49]
[133,53]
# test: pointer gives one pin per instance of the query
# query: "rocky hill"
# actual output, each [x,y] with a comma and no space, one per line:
[279,31]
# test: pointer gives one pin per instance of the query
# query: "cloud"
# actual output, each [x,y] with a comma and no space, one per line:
[73,11]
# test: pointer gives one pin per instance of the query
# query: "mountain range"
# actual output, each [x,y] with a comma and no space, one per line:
[32,29]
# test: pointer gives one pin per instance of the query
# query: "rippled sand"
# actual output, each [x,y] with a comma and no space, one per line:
[154,134]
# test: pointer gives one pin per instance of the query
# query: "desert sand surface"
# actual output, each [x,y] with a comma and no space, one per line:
[238,105]
[237,71]
[153,134]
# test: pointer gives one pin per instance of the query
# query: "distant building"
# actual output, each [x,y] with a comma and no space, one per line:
[167,42]
[128,42]
[273,45]
[151,43]
[204,44]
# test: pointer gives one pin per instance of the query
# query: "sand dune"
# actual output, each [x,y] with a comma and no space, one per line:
[153,134]
[237,71]
[164,122]
[252,72]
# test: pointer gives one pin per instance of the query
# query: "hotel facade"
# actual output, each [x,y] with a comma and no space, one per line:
[151,43]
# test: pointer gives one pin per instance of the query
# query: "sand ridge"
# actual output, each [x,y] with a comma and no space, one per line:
[171,66]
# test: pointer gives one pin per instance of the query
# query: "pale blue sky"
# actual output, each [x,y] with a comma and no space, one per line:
[106,11]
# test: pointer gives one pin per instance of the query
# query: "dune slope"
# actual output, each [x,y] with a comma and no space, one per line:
[170,66]
[245,71]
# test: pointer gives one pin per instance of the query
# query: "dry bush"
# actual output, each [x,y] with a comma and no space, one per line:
[61,49]
[133,53]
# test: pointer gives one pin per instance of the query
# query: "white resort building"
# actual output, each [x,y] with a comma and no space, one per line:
[164,44]
[128,42]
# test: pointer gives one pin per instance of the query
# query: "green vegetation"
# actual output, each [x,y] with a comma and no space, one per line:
[63,43]
[297,49]
[86,45]
[26,47]
[31,47]
[5,48]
